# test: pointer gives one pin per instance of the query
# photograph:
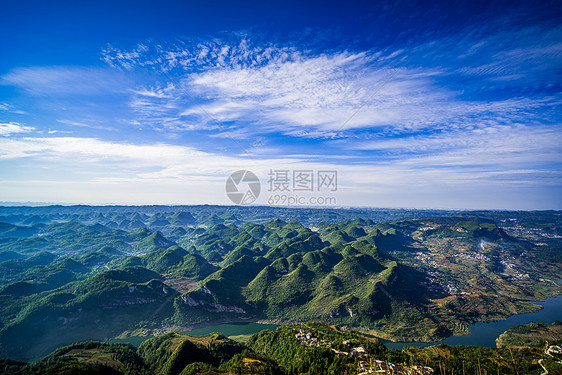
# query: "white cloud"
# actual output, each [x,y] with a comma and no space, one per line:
[346,91]
[153,92]
[165,161]
[198,54]
[232,134]
[96,171]
[168,159]
[265,88]
[11,109]
[14,127]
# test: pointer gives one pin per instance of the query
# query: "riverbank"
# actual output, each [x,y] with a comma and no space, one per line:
[484,334]
[227,329]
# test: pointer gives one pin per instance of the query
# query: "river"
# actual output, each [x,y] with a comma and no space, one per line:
[486,333]
[481,334]
[234,329]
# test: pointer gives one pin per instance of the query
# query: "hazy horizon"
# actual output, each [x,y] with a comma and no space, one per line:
[48,204]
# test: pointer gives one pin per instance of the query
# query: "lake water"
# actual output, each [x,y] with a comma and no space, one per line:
[234,329]
[481,334]
[486,333]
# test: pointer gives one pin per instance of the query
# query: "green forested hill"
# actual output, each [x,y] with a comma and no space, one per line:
[133,217]
[96,308]
[411,279]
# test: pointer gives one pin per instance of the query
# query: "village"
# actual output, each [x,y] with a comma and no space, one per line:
[366,364]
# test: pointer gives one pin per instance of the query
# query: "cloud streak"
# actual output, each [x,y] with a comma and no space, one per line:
[267,88]
[65,80]
[7,129]
[183,174]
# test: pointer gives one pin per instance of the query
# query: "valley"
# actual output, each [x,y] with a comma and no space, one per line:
[78,273]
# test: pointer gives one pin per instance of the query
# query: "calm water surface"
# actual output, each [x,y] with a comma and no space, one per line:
[481,334]
[486,333]
[225,329]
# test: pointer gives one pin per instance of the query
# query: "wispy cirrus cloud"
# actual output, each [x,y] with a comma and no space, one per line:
[341,92]
[494,147]
[5,107]
[198,54]
[533,56]
[86,124]
[262,87]
[10,128]
[66,80]
[251,86]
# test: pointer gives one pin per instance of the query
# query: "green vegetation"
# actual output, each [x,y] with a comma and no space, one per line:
[102,306]
[79,273]
[305,348]
[84,358]
[532,334]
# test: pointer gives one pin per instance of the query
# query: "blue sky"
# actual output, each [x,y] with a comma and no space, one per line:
[442,105]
